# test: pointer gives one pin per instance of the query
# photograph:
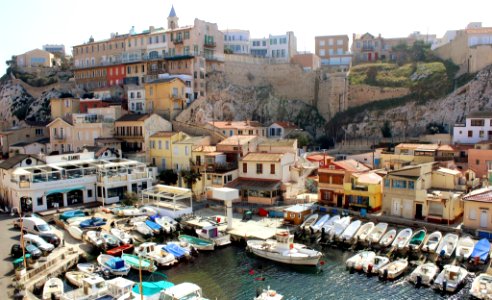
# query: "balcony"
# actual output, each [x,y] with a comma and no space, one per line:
[368,48]
[209,44]
[178,41]
[59,137]
[362,188]
[220,167]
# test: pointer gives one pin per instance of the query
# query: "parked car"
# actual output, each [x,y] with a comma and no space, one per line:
[34,225]
[51,238]
[16,251]
[31,239]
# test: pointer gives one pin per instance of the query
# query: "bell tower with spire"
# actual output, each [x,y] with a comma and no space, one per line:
[172,20]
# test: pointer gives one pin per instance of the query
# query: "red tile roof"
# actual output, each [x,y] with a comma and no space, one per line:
[286,124]
[480,195]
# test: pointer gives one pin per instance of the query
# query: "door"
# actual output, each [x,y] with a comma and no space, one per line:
[484,218]
[407,209]
[396,207]
[369,56]
[339,200]
[418,211]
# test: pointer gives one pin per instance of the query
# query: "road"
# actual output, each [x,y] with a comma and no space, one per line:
[8,237]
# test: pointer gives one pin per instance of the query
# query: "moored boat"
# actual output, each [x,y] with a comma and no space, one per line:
[376,265]
[155,253]
[151,290]
[402,239]
[339,227]
[269,294]
[465,247]
[117,251]
[53,289]
[448,245]
[92,223]
[156,228]
[94,238]
[450,278]
[168,224]
[424,274]
[482,287]
[212,233]
[388,238]
[329,224]
[75,232]
[350,231]
[110,241]
[87,267]
[183,290]
[115,265]
[122,236]
[76,278]
[393,269]
[480,253]
[71,214]
[197,243]
[357,261]
[310,220]
[363,232]
[376,233]
[133,212]
[417,240]
[432,242]
[138,263]
[176,250]
[143,229]
[316,226]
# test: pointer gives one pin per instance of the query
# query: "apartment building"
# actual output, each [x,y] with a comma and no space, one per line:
[64,107]
[476,128]
[333,50]
[35,58]
[165,97]
[182,151]
[136,99]
[23,133]
[480,159]
[280,48]
[478,212]
[232,128]
[237,41]
[161,148]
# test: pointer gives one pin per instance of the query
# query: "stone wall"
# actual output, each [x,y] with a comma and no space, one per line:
[195,130]
[362,94]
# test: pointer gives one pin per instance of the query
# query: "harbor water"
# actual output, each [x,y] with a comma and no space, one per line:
[232,273]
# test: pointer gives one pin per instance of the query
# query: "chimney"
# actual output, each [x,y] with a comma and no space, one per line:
[151,28]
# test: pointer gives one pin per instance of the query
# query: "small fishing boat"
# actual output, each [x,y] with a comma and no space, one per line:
[115,265]
[94,238]
[402,239]
[143,229]
[284,250]
[168,224]
[339,227]
[150,290]
[450,278]
[133,212]
[269,294]
[92,223]
[212,233]
[357,261]
[87,267]
[96,288]
[117,251]
[364,231]
[465,247]
[432,242]
[75,221]
[393,269]
[376,233]
[176,250]
[424,274]
[122,236]
[316,226]
[71,214]
[155,253]
[480,253]
[156,228]
[138,263]
[350,231]
[329,224]
[53,289]
[417,240]
[75,232]
[197,243]
[482,287]
[138,219]
[388,238]
[447,245]
[183,291]
[76,278]
[376,265]
[309,221]
[110,241]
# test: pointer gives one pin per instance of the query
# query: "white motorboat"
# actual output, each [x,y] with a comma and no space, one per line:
[75,232]
[447,245]
[482,287]
[350,231]
[432,242]
[115,265]
[185,290]
[364,231]
[95,287]
[269,294]
[450,278]
[122,236]
[53,289]
[137,219]
[212,233]
[309,221]
[339,227]
[143,229]
[284,250]
[376,265]
[376,233]
[465,247]
[316,226]
[76,278]
[329,224]
[155,253]
[94,238]
[87,267]
[388,238]
[402,239]
[168,224]
[357,261]
[417,239]
[141,211]
[75,221]
[424,274]
[393,269]
[110,241]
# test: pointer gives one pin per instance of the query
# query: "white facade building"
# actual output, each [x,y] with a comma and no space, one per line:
[259,47]
[237,41]
[70,179]
[477,128]
[136,99]
[278,47]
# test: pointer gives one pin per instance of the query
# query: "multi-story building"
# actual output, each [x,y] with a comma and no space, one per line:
[364,191]
[55,49]
[231,128]
[37,147]
[278,146]
[216,170]
[136,99]
[165,97]
[161,148]
[35,58]
[115,74]
[333,50]
[236,41]
[307,61]
[477,128]
[28,132]
[259,47]
[182,149]
[280,48]
[64,107]
[477,214]
[31,185]
[480,159]
[281,129]
[86,103]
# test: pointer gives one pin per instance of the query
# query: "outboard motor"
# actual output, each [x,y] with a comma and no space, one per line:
[323,233]
[385,274]
[419,281]
[444,286]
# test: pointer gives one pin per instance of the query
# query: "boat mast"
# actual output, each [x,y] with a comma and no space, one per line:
[140,275]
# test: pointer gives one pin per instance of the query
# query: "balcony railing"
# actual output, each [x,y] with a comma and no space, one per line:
[178,41]
[356,187]
[220,167]
[367,48]
[59,137]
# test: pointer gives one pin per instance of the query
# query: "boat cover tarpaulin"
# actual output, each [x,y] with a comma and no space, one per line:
[481,250]
[115,263]
[152,288]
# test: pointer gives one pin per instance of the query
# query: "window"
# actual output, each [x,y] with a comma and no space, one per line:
[175,150]
[387,183]
[272,168]
[259,168]
[481,133]
[40,201]
[399,184]
[245,168]
[159,144]
[477,162]
[167,145]
[478,122]
[411,185]
[322,43]
[322,52]
[151,91]
[472,215]
[89,193]
[330,42]
[470,133]
[339,42]
[187,151]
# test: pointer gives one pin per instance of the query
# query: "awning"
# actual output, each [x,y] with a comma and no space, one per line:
[79,187]
[255,184]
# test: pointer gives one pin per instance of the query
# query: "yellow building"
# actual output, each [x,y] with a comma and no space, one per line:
[65,107]
[165,97]
[406,154]
[161,145]
[181,155]
[478,212]
[35,58]
[365,190]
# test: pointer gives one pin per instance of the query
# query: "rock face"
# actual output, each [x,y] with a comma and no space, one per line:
[411,118]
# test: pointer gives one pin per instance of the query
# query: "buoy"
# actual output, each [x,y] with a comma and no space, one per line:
[291,245]
[322,263]
[251,272]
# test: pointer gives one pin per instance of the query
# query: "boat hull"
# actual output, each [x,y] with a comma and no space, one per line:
[291,260]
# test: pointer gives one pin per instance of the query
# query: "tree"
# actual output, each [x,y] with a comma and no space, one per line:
[169,177]
[371,75]
[386,130]
[129,199]
[190,177]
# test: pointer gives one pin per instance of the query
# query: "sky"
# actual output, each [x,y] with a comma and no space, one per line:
[29,24]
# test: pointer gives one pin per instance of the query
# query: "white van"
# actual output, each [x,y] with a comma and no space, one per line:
[38,242]
[36,225]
